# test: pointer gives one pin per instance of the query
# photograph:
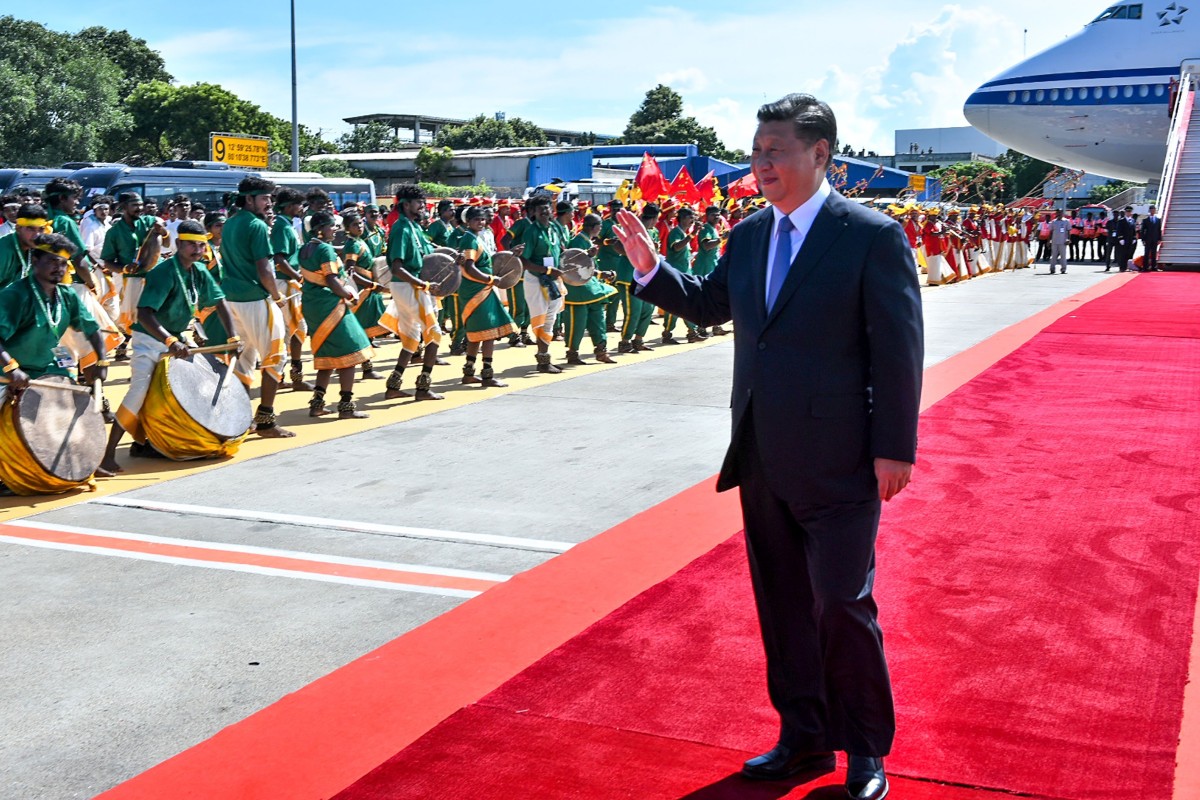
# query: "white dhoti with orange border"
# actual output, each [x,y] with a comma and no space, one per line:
[260,325]
[413,316]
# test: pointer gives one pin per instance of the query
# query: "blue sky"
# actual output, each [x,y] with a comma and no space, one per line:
[586,66]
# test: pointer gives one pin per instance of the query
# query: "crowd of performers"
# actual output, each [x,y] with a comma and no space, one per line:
[952,244]
[281,268]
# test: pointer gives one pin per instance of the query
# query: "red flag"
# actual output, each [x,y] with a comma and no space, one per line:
[707,188]
[650,180]
[745,186]
[684,188]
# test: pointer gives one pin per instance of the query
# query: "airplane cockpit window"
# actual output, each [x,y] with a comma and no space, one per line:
[1118,12]
[1135,11]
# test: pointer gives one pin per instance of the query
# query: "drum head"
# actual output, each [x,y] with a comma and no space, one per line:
[61,430]
[210,394]
[507,268]
[442,272]
[446,251]
[577,266]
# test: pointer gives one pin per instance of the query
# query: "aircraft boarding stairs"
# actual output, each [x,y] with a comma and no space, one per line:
[1179,191]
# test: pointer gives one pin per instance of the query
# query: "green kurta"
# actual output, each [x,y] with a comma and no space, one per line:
[285,242]
[28,327]
[245,241]
[594,291]
[483,314]
[408,245]
[122,242]
[376,238]
[358,253]
[14,261]
[439,232]
[706,260]
[176,295]
[680,259]
[338,340]
[517,231]
[214,329]
[608,259]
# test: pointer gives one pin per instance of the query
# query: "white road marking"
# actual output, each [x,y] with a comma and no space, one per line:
[264,551]
[337,524]
[251,568]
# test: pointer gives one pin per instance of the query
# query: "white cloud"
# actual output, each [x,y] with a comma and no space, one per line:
[896,67]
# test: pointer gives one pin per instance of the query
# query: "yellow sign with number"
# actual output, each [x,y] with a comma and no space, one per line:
[240,150]
[916,183]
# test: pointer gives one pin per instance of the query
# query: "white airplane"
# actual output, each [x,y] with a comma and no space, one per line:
[1098,101]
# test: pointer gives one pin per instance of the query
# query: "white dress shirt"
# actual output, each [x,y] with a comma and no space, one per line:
[802,218]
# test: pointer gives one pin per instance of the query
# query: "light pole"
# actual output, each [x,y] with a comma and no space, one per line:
[295,116]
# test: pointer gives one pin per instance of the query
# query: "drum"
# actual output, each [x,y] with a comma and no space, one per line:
[508,269]
[577,266]
[446,251]
[196,408]
[442,272]
[382,271]
[52,439]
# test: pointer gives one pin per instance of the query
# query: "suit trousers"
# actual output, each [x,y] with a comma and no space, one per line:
[1150,261]
[813,569]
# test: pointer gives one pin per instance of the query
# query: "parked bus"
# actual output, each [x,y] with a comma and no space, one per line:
[208,182]
[13,181]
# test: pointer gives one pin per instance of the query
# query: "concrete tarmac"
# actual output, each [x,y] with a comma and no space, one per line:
[114,664]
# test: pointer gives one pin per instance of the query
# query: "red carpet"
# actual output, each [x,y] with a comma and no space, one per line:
[1037,584]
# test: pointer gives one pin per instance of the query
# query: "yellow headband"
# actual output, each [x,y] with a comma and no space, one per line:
[45,248]
[33,222]
[192,237]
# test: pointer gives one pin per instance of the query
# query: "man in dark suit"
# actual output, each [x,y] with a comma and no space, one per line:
[1151,234]
[1126,236]
[826,390]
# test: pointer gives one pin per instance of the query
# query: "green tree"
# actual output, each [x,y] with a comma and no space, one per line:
[174,122]
[61,99]
[1028,173]
[1103,191]
[660,120]
[374,137]
[974,182]
[485,133]
[136,60]
[432,163]
[331,168]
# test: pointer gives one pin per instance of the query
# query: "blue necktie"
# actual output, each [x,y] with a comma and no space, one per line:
[783,259]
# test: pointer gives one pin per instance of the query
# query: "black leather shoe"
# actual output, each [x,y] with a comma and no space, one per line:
[865,779]
[784,762]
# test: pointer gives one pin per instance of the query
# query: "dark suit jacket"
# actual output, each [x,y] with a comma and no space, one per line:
[1152,231]
[1127,230]
[832,374]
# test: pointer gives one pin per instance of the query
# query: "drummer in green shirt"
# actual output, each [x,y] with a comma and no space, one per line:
[585,304]
[16,249]
[120,254]
[172,297]
[440,229]
[35,312]
[611,258]
[544,289]
[358,257]
[637,322]
[484,317]
[339,341]
[679,256]
[709,252]
[413,313]
[517,307]
[254,298]
[285,242]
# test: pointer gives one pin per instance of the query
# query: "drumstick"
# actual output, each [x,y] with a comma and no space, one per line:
[213,348]
[67,387]
[97,396]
